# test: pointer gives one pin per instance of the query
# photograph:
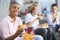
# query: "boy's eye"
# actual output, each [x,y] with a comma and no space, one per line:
[14,7]
[18,8]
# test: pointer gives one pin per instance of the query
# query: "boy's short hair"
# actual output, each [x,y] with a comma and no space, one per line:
[11,3]
[32,7]
[53,5]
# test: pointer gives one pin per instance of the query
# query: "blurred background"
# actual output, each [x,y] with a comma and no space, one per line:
[44,6]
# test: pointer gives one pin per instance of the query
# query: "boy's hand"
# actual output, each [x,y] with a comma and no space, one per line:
[59,30]
[20,29]
[22,26]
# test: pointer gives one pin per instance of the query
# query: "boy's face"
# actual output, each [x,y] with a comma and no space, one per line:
[35,11]
[54,8]
[14,9]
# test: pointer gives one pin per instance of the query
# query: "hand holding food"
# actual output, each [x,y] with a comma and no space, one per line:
[22,26]
[55,15]
[40,16]
[21,29]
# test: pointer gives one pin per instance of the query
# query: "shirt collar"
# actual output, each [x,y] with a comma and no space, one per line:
[11,19]
[32,15]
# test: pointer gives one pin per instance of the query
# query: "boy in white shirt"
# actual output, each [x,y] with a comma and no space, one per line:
[53,19]
[32,20]
[9,26]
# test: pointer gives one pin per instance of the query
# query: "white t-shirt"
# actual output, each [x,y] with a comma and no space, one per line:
[8,27]
[30,18]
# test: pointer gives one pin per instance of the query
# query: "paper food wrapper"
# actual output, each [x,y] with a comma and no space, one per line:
[22,26]
[44,25]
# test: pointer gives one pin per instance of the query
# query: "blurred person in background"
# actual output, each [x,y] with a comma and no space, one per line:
[53,19]
[32,20]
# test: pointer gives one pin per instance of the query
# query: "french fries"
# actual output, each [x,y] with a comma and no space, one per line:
[28,36]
